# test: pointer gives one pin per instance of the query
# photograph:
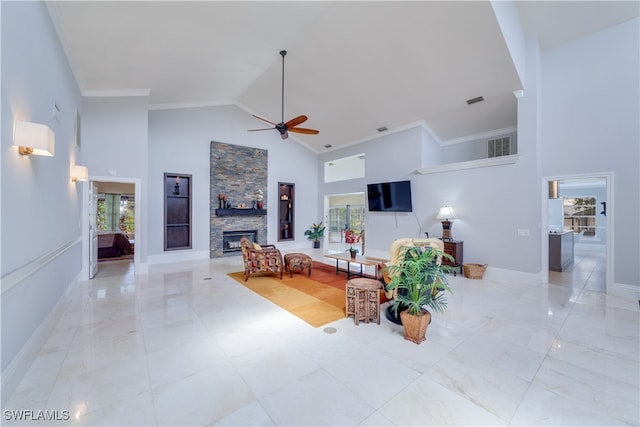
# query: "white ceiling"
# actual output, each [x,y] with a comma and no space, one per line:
[351,67]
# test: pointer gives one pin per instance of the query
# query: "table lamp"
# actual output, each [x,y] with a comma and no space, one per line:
[446,213]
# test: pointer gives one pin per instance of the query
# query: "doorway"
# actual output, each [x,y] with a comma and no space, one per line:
[345,221]
[577,232]
[118,222]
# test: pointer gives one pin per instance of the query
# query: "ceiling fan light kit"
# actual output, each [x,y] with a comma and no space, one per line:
[290,126]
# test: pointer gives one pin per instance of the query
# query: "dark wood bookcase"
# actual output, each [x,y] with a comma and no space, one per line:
[177,211]
[286,211]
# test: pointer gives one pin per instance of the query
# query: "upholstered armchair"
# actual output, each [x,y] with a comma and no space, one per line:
[256,258]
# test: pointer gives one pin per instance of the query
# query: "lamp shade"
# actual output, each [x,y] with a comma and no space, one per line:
[34,138]
[79,173]
[446,212]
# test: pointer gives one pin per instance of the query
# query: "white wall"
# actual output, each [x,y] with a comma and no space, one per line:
[590,111]
[40,217]
[115,145]
[179,141]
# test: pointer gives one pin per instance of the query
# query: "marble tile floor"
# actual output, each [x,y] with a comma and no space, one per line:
[186,345]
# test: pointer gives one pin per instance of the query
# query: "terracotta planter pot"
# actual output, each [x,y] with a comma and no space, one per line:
[415,326]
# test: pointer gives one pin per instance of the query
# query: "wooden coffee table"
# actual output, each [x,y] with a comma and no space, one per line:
[361,260]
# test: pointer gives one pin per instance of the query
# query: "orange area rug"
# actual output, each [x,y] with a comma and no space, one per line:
[318,300]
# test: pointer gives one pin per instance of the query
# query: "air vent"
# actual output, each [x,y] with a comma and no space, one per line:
[499,147]
[328,146]
[475,100]
[382,129]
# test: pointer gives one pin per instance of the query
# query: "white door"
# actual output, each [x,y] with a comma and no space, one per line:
[93,230]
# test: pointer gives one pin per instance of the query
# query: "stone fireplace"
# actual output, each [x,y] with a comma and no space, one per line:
[238,172]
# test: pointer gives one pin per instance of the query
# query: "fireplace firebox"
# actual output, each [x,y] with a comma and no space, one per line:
[231,239]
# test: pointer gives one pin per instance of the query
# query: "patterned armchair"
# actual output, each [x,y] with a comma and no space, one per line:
[260,258]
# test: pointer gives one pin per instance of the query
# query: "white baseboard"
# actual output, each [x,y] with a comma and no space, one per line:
[19,366]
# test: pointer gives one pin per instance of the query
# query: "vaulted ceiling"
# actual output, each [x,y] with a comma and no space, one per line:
[351,67]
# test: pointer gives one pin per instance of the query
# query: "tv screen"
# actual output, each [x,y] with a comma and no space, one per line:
[390,197]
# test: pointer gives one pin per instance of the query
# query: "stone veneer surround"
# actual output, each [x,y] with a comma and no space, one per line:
[238,172]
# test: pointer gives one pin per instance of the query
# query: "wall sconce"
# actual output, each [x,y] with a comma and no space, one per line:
[446,213]
[34,138]
[79,173]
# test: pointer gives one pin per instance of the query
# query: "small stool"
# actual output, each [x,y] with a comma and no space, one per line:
[363,299]
[297,260]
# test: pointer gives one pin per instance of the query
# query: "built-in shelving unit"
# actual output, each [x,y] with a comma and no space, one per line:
[177,211]
[286,213]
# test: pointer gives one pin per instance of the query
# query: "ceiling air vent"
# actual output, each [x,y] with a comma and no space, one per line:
[474,100]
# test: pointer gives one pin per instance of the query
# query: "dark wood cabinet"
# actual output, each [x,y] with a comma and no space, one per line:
[561,250]
[177,211]
[454,248]
[286,211]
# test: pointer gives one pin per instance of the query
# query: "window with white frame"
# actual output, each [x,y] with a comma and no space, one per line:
[580,215]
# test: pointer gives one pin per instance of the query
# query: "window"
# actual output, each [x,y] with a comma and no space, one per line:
[345,168]
[348,217]
[580,215]
[116,212]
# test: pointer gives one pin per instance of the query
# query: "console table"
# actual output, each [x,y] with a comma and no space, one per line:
[361,260]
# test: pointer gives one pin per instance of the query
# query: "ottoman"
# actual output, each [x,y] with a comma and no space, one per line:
[297,261]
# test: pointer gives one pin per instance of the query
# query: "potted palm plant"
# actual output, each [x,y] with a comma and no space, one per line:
[315,233]
[421,282]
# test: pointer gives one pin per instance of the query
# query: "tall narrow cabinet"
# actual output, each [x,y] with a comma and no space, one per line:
[286,211]
[177,211]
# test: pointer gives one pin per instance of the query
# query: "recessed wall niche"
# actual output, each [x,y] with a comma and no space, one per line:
[237,172]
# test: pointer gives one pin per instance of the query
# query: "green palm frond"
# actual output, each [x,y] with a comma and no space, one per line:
[420,280]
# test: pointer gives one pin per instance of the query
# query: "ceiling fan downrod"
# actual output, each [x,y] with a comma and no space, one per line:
[282,53]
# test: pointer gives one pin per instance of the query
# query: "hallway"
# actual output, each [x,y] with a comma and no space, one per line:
[587,272]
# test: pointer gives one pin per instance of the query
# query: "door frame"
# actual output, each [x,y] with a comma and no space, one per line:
[86,235]
[609,223]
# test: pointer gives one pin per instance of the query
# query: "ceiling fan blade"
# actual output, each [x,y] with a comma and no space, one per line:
[296,121]
[264,120]
[254,130]
[304,130]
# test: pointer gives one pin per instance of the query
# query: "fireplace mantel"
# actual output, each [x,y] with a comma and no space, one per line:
[240,212]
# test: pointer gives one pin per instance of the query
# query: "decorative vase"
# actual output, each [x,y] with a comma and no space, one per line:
[260,204]
[289,218]
[316,244]
[415,326]
[353,254]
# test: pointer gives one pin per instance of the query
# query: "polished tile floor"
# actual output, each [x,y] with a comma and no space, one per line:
[187,345]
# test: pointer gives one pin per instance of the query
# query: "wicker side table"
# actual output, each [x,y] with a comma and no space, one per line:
[363,300]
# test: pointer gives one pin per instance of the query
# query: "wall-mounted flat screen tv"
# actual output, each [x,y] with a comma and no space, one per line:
[390,197]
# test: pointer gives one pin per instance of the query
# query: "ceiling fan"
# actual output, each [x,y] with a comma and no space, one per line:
[291,125]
